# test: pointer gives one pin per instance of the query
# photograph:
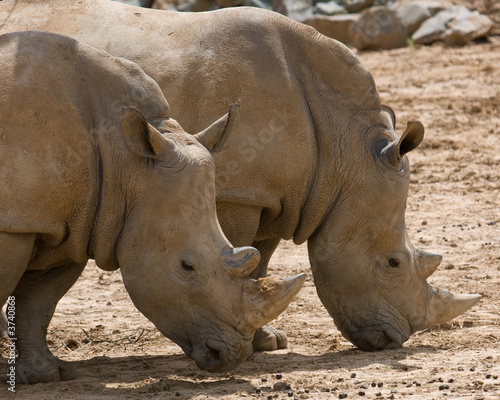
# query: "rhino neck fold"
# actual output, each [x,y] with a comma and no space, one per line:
[110,210]
[341,96]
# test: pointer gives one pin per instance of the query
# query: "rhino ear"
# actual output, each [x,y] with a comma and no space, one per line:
[388,110]
[142,138]
[214,137]
[410,139]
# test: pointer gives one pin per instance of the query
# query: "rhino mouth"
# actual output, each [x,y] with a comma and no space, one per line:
[377,338]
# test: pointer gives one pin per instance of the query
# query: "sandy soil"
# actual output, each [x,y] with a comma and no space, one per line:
[453,208]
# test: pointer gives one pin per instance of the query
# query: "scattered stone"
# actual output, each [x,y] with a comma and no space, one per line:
[353,375]
[281,386]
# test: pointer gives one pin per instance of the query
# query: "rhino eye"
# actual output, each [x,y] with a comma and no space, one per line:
[394,263]
[186,266]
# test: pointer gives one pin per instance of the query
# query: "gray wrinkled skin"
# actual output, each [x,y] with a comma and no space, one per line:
[315,156]
[92,166]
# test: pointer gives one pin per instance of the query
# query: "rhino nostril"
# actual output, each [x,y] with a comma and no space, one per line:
[214,355]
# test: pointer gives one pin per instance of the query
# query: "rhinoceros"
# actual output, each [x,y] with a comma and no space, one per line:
[92,166]
[315,156]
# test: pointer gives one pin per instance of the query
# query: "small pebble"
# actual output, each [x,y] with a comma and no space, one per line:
[380,384]
[263,380]
[353,375]
[290,394]
[451,380]
[495,376]
[177,394]
[440,379]
[473,369]
[488,376]
[343,396]
[374,384]
[279,376]
[364,386]
[460,368]
[361,393]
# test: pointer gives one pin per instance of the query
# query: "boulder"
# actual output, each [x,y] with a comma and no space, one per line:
[412,15]
[299,10]
[337,27]
[329,8]
[454,25]
[356,6]
[379,28]
[461,31]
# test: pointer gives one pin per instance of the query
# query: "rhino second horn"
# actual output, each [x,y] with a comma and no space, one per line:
[427,263]
[444,306]
[240,261]
[264,299]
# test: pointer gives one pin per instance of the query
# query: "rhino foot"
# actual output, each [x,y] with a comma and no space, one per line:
[43,370]
[268,338]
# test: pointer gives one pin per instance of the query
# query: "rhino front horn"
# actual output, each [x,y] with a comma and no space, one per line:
[264,299]
[240,261]
[444,306]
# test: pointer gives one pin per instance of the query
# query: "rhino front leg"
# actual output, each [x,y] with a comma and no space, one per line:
[267,338]
[15,253]
[36,297]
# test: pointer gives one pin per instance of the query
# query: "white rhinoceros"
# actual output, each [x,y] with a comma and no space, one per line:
[91,166]
[315,156]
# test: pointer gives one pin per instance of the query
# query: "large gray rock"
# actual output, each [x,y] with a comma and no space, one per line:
[329,8]
[337,27]
[412,15]
[415,13]
[299,10]
[379,28]
[454,25]
[461,31]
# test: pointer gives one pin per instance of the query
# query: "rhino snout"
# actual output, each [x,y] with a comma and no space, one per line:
[378,338]
[214,357]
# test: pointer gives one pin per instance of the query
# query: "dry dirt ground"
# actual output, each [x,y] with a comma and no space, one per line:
[453,208]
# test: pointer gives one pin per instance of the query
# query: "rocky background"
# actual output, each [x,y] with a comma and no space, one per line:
[374,24]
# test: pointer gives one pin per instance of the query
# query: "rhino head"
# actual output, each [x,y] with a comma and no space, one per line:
[367,273]
[176,264]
